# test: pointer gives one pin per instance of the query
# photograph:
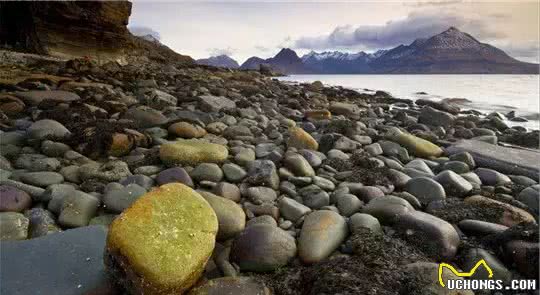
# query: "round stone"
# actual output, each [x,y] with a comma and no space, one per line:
[207,171]
[387,209]
[13,226]
[13,199]
[360,221]
[322,233]
[192,152]
[262,248]
[175,174]
[453,184]
[49,129]
[119,199]
[231,217]
[187,130]
[228,191]
[348,204]
[233,172]
[42,179]
[299,165]
[491,177]
[425,189]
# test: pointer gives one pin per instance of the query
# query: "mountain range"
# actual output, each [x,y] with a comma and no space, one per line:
[223,61]
[450,52]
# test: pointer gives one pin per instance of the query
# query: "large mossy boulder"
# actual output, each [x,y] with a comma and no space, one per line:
[192,152]
[160,245]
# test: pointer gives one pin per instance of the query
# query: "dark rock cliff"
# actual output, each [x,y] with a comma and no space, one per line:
[68,29]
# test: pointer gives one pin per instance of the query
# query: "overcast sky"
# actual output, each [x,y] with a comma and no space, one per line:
[242,29]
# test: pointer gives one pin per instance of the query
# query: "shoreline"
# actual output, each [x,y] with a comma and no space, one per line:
[464,102]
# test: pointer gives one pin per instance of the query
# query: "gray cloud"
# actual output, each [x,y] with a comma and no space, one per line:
[229,51]
[262,48]
[143,31]
[418,24]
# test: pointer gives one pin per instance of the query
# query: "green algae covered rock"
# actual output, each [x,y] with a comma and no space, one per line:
[160,245]
[415,145]
[192,152]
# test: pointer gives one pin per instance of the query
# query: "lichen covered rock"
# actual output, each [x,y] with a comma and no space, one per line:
[192,152]
[415,145]
[160,245]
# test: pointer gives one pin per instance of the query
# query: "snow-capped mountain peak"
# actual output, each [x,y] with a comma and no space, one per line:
[333,55]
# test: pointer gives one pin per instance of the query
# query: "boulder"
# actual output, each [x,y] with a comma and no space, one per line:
[47,129]
[175,174]
[298,165]
[13,199]
[530,197]
[300,139]
[453,183]
[110,171]
[346,109]
[210,103]
[425,189]
[13,226]
[262,248]
[416,145]
[433,117]
[387,209]
[322,233]
[492,177]
[231,217]
[192,152]
[187,130]
[502,159]
[360,221]
[77,209]
[436,236]
[145,117]
[119,199]
[263,172]
[34,97]
[511,215]
[318,115]
[170,226]
[292,210]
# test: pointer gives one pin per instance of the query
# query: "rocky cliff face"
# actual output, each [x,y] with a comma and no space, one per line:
[67,29]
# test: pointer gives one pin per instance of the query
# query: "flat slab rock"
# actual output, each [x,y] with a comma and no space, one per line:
[503,159]
[65,263]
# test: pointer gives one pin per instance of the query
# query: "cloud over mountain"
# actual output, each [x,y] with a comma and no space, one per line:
[418,24]
[229,51]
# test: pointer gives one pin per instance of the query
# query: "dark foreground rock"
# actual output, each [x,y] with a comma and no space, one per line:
[502,159]
[65,263]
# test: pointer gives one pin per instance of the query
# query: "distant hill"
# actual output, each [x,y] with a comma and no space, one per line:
[450,52]
[252,63]
[223,61]
[286,61]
